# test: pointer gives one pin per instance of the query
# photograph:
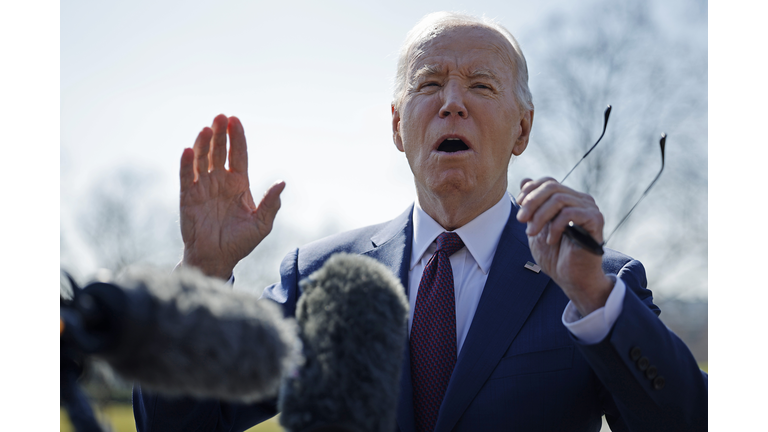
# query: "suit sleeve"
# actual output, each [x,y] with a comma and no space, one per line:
[652,379]
[286,293]
[156,413]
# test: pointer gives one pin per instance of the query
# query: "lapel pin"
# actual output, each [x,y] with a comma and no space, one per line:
[532,267]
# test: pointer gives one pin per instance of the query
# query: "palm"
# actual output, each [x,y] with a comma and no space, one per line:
[220,223]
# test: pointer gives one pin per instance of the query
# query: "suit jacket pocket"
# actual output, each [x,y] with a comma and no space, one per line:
[535,362]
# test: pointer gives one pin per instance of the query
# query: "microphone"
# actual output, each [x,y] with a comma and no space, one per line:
[352,319]
[184,334]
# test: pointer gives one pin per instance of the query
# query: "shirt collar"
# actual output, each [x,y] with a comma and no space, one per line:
[481,235]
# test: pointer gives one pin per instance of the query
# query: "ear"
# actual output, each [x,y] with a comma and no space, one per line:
[525,132]
[396,129]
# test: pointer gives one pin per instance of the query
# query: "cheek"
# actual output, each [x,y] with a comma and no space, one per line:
[508,135]
[419,112]
[412,133]
[407,128]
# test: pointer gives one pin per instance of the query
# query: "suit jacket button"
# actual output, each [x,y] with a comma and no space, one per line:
[643,363]
[659,382]
[651,372]
[635,353]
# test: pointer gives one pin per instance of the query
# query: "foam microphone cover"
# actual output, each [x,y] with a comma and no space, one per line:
[188,334]
[353,320]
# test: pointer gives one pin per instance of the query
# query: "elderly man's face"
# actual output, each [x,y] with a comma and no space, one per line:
[458,122]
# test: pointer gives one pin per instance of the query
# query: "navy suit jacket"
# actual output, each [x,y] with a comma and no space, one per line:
[519,367]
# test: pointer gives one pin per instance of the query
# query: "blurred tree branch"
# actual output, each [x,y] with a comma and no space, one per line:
[621,53]
[123,225]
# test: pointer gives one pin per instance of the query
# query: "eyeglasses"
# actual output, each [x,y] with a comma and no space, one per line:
[581,236]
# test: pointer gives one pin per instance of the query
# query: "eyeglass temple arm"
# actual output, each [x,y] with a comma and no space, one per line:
[662,144]
[605,125]
[575,232]
[585,240]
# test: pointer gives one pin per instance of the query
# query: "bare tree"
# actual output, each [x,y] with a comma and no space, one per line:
[261,267]
[622,54]
[123,224]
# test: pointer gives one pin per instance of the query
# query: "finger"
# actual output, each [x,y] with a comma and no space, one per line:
[219,142]
[270,203]
[187,170]
[523,182]
[541,238]
[549,209]
[238,151]
[527,186]
[588,218]
[521,195]
[535,193]
[201,147]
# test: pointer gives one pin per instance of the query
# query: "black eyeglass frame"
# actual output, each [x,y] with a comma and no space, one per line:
[580,235]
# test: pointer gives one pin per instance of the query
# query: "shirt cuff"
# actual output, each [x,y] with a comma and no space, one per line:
[594,327]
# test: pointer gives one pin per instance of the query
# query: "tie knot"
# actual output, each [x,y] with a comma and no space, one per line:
[449,242]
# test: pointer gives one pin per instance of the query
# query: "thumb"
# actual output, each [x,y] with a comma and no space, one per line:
[269,205]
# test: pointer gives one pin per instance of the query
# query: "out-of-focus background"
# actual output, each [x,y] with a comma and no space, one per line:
[311,83]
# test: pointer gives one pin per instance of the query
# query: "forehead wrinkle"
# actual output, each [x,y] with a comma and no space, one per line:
[429,70]
[506,56]
[501,51]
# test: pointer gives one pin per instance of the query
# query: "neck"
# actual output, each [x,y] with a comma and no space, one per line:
[456,210]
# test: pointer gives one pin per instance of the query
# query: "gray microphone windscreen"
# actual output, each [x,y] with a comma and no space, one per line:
[188,334]
[352,318]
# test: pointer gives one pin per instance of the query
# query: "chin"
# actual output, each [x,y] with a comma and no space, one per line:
[452,185]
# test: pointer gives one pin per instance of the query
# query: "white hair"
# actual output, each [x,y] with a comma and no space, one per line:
[432,25]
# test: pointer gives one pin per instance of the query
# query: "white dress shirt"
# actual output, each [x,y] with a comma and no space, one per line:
[472,263]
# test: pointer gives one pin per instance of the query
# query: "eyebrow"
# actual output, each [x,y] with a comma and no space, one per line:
[436,69]
[485,73]
[427,70]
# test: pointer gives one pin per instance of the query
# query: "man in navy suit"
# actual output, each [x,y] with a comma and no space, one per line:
[548,336]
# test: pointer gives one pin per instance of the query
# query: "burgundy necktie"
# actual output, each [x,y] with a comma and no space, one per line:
[433,333]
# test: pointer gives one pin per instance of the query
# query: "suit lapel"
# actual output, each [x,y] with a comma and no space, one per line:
[509,296]
[392,247]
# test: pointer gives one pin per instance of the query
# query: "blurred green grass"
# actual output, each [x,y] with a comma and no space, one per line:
[120,418]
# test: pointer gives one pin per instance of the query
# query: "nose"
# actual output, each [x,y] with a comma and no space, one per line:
[453,101]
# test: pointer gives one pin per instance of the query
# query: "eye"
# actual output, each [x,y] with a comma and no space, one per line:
[482,86]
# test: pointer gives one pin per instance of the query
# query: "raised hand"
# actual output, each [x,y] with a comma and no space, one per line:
[220,223]
[547,207]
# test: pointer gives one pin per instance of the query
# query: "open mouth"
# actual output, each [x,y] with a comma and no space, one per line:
[452,145]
